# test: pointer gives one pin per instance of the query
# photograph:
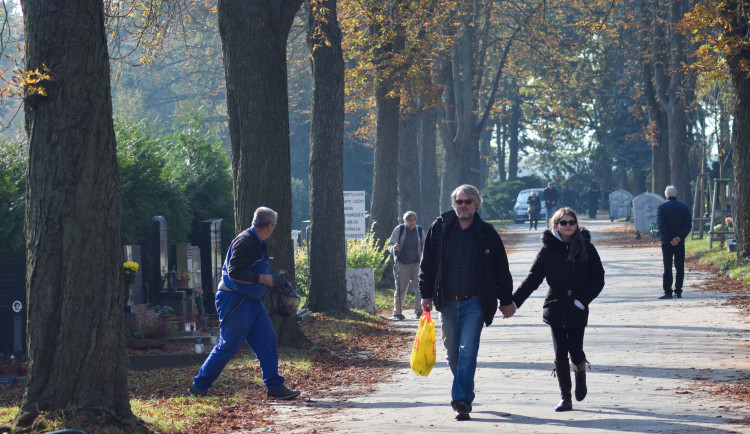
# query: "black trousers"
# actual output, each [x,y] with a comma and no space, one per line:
[568,341]
[668,251]
[533,219]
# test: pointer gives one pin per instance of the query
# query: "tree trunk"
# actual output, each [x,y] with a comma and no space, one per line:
[428,168]
[735,14]
[327,254]
[659,126]
[513,132]
[408,166]
[254,39]
[384,207]
[502,139]
[484,155]
[654,77]
[76,339]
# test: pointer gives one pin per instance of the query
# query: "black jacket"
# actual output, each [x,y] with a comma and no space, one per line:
[568,281]
[673,219]
[495,281]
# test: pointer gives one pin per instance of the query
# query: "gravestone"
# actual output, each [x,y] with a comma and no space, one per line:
[644,211]
[160,264]
[360,289]
[209,241]
[13,307]
[619,204]
[195,268]
[184,258]
[135,294]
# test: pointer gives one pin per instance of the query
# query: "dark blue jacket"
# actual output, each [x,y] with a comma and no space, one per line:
[673,219]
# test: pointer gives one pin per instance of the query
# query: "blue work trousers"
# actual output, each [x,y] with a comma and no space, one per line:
[241,320]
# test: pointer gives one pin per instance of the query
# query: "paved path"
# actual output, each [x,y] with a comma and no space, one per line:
[645,353]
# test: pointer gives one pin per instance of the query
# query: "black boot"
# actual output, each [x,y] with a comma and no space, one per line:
[579,370]
[562,367]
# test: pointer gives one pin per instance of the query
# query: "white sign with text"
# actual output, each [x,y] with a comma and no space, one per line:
[354,215]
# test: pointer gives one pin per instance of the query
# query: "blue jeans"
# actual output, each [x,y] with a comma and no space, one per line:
[462,327]
[248,322]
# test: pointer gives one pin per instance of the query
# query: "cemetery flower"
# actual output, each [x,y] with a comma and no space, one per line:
[198,292]
[184,276]
[730,223]
[164,311]
[130,268]
[144,325]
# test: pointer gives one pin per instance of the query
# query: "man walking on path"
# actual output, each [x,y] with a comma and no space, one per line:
[243,318]
[464,272]
[674,221]
[406,244]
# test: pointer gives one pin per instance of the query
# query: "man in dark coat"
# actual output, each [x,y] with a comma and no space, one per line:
[551,198]
[674,221]
[464,272]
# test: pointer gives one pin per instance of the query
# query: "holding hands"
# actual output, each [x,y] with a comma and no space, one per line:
[508,310]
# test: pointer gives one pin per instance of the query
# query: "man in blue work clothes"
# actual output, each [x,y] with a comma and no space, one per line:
[674,221]
[242,316]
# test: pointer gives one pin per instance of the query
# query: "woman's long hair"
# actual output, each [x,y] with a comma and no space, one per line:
[577,244]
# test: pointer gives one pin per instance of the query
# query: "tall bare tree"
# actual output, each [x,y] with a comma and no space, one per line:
[76,339]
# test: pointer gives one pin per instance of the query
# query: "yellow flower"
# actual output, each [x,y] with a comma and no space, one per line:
[130,267]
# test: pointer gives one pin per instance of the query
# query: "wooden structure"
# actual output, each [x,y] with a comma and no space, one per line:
[719,207]
[701,204]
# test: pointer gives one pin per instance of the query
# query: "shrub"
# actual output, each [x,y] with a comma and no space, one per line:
[363,253]
[14,155]
[366,253]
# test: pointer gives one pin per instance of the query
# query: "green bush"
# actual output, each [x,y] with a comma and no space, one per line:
[14,155]
[364,253]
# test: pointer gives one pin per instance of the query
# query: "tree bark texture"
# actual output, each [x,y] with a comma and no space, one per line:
[254,40]
[735,14]
[408,166]
[327,254]
[76,340]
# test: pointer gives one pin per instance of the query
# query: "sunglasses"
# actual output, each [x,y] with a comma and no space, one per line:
[461,202]
[567,222]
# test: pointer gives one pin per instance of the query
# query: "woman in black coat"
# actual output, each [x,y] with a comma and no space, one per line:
[575,276]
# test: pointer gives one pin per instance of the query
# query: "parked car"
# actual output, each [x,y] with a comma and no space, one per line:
[520,211]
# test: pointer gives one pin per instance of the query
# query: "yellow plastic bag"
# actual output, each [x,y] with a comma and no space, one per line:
[422,358]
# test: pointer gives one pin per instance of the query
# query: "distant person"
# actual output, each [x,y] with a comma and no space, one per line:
[535,208]
[243,318]
[406,244]
[592,199]
[575,277]
[551,198]
[674,222]
[570,197]
[463,273]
